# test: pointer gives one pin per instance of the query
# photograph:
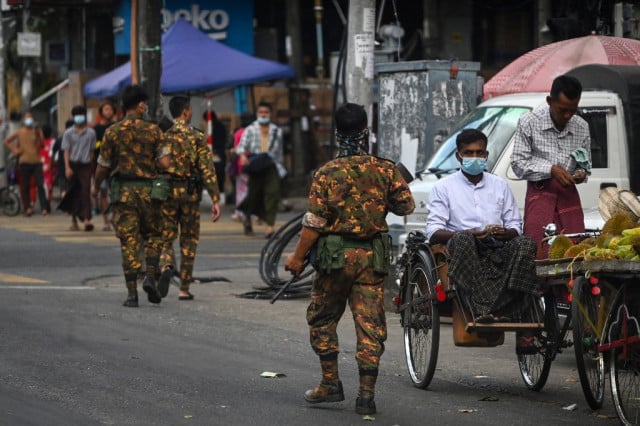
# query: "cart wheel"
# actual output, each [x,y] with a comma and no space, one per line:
[9,201]
[534,367]
[421,320]
[624,363]
[586,338]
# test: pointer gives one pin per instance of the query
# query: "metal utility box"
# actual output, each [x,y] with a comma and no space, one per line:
[419,103]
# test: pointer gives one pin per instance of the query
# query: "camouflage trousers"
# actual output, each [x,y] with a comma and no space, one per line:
[137,223]
[180,215]
[362,288]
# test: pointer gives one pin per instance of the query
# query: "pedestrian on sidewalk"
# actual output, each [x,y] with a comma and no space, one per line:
[79,144]
[349,199]
[262,138]
[25,144]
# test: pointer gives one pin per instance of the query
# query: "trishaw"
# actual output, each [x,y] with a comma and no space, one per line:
[604,322]
[606,329]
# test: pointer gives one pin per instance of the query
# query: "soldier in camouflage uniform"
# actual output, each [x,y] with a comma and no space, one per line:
[190,170]
[349,198]
[131,154]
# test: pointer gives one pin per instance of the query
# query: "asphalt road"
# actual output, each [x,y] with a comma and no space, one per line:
[70,354]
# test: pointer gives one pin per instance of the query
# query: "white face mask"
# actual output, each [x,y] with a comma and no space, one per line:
[28,121]
[264,120]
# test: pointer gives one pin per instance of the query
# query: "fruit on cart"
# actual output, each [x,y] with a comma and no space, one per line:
[631,231]
[617,223]
[577,250]
[559,246]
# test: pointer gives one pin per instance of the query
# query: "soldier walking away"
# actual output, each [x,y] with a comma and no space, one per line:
[131,153]
[191,169]
[349,199]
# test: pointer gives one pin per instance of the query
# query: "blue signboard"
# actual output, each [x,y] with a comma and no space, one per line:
[225,21]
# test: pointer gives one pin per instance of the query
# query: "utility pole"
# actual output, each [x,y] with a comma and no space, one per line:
[297,98]
[361,32]
[26,64]
[3,114]
[150,53]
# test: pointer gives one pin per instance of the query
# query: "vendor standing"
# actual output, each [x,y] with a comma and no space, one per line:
[552,151]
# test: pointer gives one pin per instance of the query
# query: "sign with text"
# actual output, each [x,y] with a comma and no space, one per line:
[29,44]
[227,22]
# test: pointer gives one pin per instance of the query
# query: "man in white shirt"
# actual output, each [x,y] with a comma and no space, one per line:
[476,215]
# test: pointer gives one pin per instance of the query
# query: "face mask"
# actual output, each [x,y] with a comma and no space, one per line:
[264,120]
[28,121]
[473,165]
[78,119]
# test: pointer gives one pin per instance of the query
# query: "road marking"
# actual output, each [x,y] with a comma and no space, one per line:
[10,278]
[53,287]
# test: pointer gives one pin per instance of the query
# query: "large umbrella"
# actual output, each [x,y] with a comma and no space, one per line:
[534,71]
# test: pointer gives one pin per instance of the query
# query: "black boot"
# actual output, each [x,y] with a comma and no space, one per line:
[149,286]
[165,281]
[365,405]
[364,402]
[132,297]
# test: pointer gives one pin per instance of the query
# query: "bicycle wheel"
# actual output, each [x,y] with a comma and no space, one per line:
[9,201]
[421,320]
[624,363]
[586,338]
[535,366]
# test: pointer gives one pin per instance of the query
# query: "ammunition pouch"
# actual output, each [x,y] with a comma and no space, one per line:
[160,188]
[382,253]
[194,185]
[329,253]
[115,189]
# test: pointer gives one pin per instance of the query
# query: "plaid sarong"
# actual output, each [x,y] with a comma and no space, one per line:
[494,276]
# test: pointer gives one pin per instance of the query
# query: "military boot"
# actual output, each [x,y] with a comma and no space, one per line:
[365,403]
[330,388]
[132,297]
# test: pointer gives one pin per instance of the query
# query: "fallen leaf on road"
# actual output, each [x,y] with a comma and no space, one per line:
[570,380]
[467,410]
[571,407]
[489,398]
[188,416]
[368,418]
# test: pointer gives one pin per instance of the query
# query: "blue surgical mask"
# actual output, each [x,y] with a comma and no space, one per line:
[78,119]
[473,165]
[264,120]
[28,121]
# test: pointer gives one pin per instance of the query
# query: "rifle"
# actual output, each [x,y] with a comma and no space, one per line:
[286,285]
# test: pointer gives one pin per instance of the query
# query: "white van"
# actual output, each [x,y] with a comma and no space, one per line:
[610,119]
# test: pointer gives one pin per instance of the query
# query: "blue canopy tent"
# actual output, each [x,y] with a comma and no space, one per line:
[193,62]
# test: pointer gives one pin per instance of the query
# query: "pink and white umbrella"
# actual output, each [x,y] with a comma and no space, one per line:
[535,70]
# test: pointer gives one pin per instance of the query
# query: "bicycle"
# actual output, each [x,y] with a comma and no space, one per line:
[9,198]
[609,333]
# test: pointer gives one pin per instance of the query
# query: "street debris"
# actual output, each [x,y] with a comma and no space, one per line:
[271,374]
[489,398]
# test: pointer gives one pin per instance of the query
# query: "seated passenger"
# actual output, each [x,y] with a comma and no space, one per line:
[475,214]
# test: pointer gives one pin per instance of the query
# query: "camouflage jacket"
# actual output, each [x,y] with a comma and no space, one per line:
[353,195]
[131,147]
[191,157]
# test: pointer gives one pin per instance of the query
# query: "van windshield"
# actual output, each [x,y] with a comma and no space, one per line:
[497,122]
